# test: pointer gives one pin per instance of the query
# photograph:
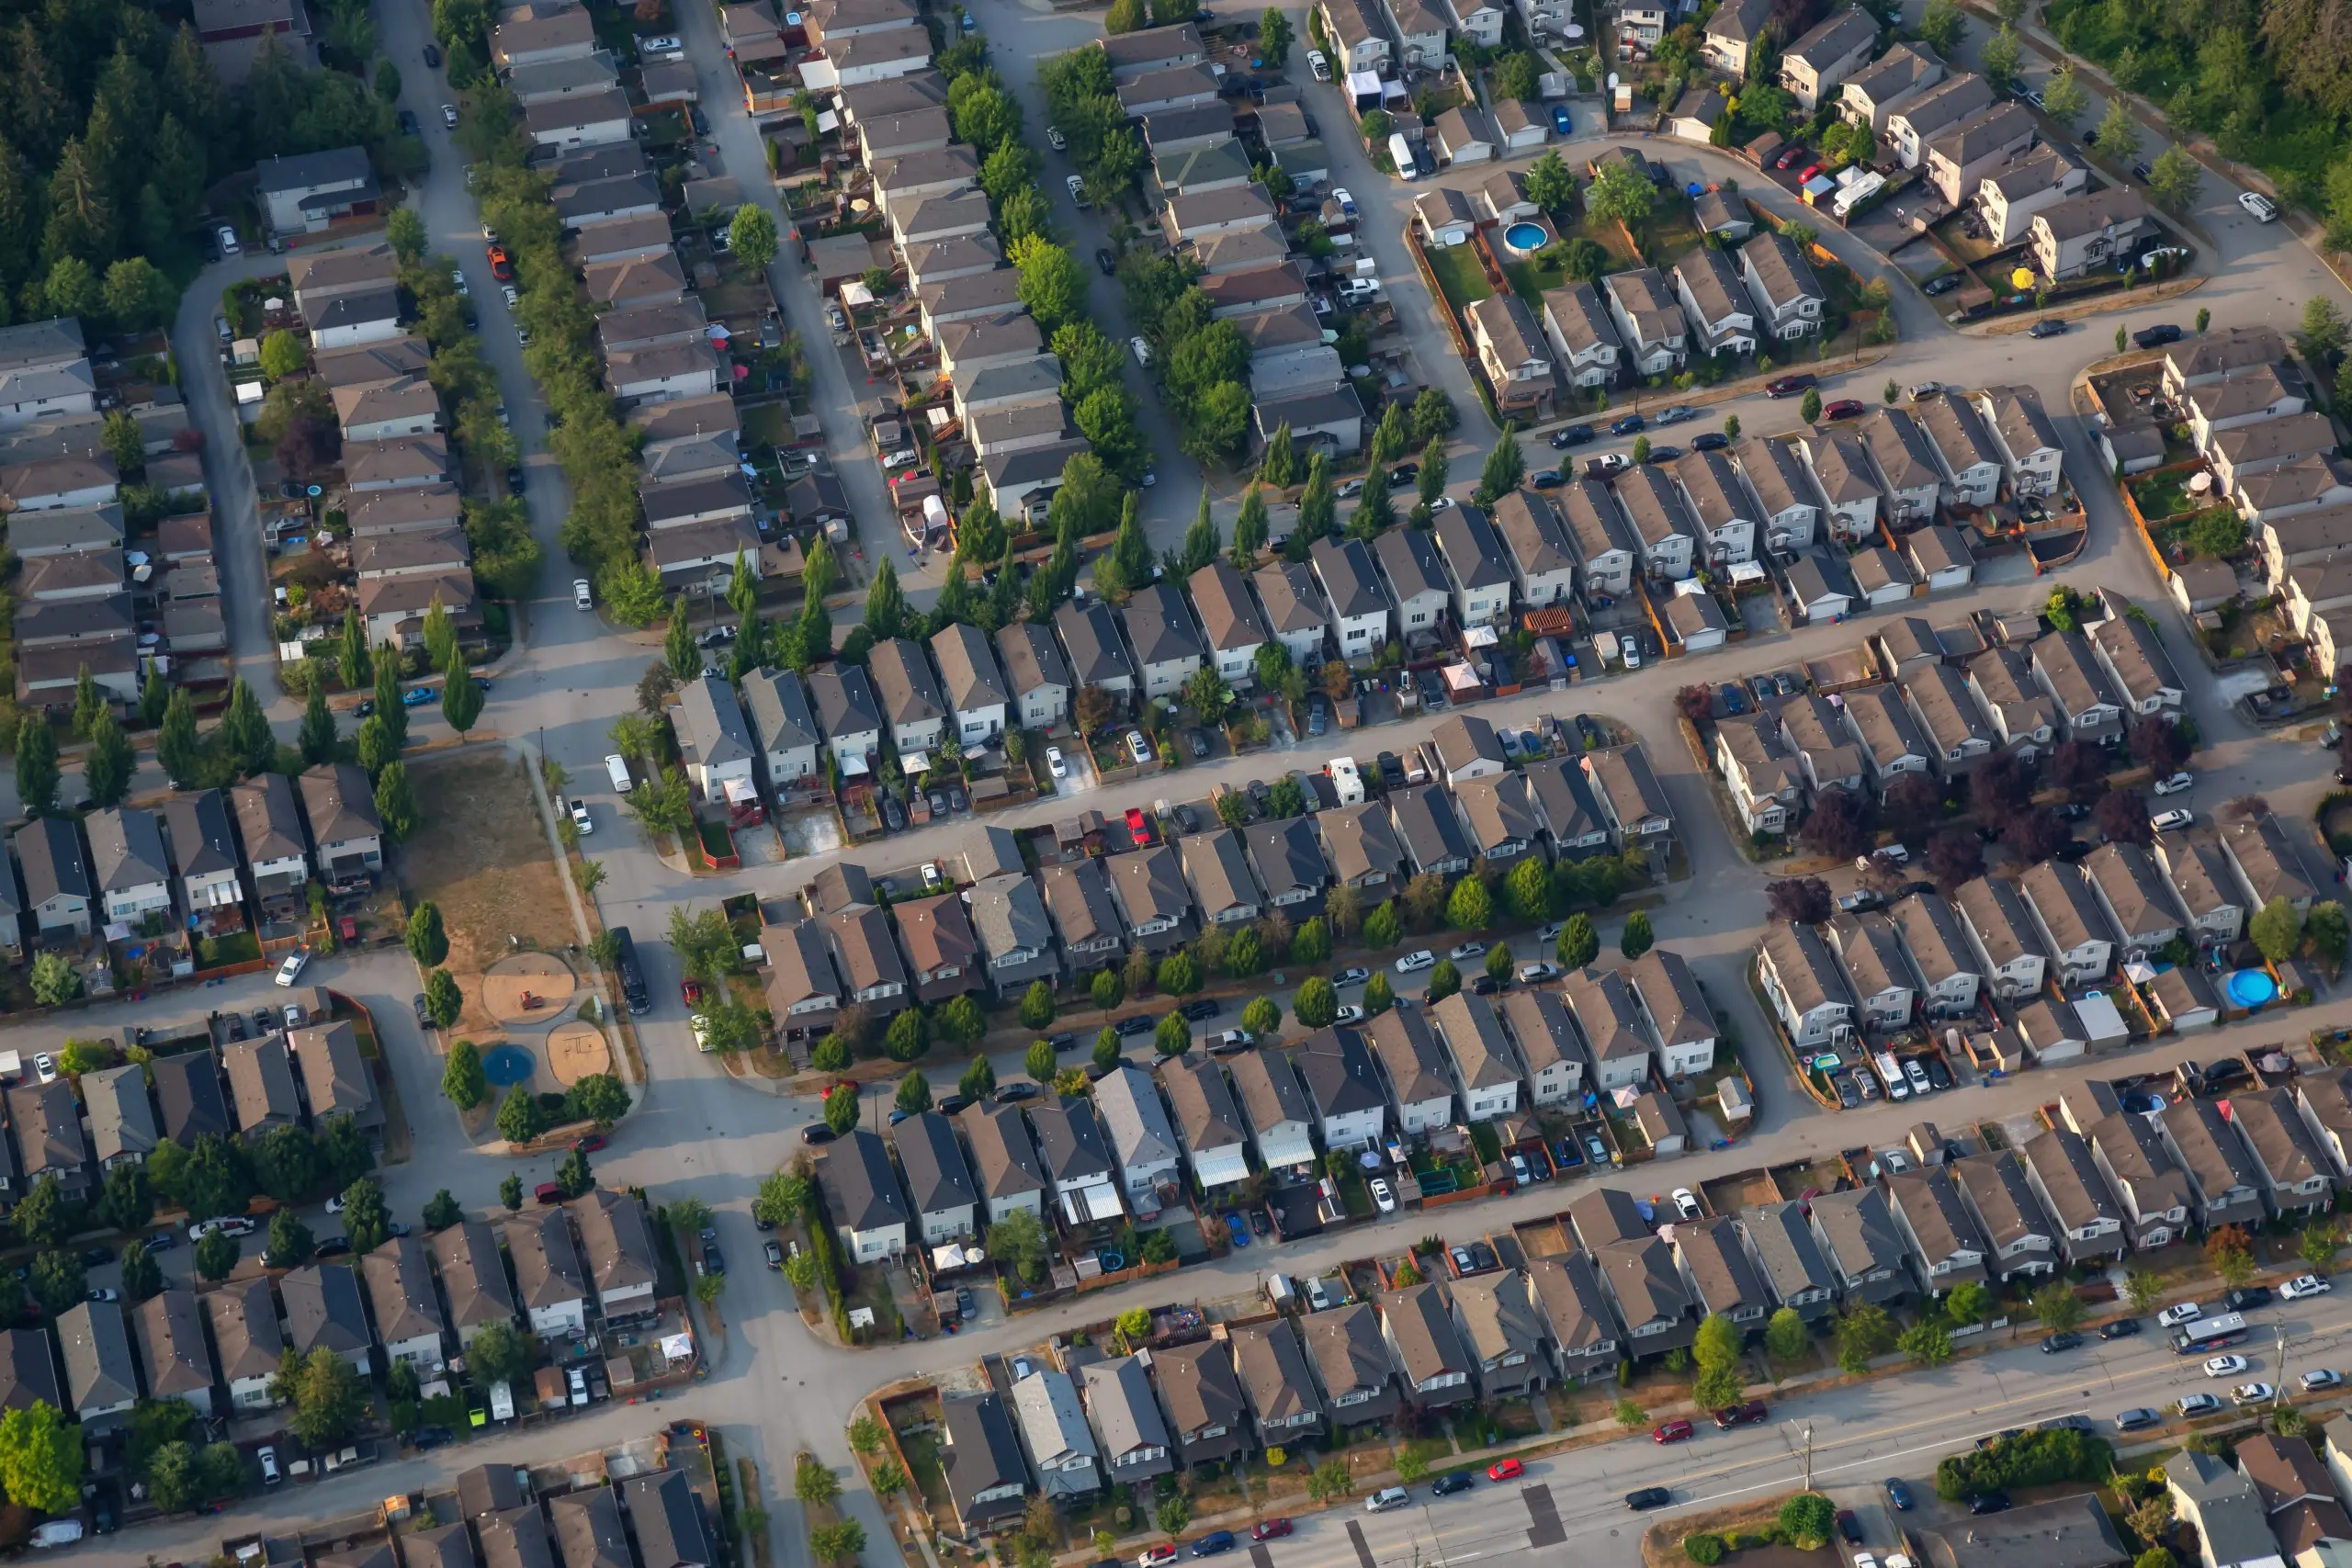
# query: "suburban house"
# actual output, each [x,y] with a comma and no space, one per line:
[863,1195]
[939,1187]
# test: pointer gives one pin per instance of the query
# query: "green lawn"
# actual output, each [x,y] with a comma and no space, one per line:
[1459,275]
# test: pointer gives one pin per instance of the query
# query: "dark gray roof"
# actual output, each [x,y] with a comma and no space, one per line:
[936,1178]
[1344,567]
[1270,1090]
[1426,822]
[99,1370]
[668,1522]
[50,852]
[322,1307]
[188,1088]
[1410,562]
[178,1363]
[27,1371]
[1096,654]
[1205,1111]
[399,1285]
[983,1453]
[714,726]
[1070,1140]
[616,1240]
[446,1546]
[516,1537]
[245,1331]
[863,1188]
[1338,1071]
[1030,658]
[1160,626]
[546,1262]
[588,1530]
[778,701]
[844,699]
[126,849]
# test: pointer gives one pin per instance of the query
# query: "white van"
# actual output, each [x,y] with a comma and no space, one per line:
[616,769]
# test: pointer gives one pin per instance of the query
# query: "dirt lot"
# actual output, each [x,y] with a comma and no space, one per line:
[484,860]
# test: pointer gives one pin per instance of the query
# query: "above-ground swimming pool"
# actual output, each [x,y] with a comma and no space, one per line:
[1526,237]
[2250,987]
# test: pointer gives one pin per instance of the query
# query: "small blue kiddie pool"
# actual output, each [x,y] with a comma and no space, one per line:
[507,1065]
[2250,987]
[1525,238]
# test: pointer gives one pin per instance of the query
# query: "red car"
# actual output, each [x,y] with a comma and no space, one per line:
[1844,408]
[691,990]
[501,265]
[1267,1530]
[1789,155]
[1807,174]
[1138,828]
[589,1144]
[1747,1414]
[1504,1469]
[1155,1556]
[1670,1432]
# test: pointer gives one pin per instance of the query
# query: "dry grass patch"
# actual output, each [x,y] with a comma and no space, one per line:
[483,858]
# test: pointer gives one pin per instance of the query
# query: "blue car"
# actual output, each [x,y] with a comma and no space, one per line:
[1239,1227]
[1561,124]
[1899,1494]
[1629,426]
[417,696]
[1213,1543]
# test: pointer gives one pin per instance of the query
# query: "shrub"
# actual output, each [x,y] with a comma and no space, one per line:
[2030,1459]
[1704,1550]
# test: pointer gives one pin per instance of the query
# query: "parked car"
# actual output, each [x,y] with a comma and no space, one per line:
[1212,1543]
[1748,1414]
[1383,1197]
[1569,435]
[1387,1497]
[1412,962]
[2186,1312]
[2253,1393]
[2138,1416]
[1672,1431]
[2227,1366]
[1788,385]
[1711,441]
[2200,1404]
[2303,1285]
[1898,1495]
[1943,285]
[2173,820]
[1269,1530]
[2157,336]
[1631,425]
[1995,1502]
[2122,1328]
[2246,1297]
[1505,1469]
[2322,1377]
[1844,408]
[2066,1340]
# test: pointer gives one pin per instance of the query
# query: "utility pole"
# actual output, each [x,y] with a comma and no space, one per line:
[2278,1337]
[1807,1431]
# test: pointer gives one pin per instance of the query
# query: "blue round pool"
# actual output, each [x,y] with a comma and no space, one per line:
[2250,987]
[507,1065]
[1525,237]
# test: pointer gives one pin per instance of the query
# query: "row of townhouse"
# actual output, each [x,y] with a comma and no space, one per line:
[1782,494]
[1130,1145]
[2060,923]
[408,545]
[184,863]
[649,1520]
[1939,716]
[1214,210]
[412,1300]
[1649,322]
[1001,933]
[1386,38]
[60,491]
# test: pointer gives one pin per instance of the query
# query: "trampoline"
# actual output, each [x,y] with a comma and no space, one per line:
[507,1065]
[2250,987]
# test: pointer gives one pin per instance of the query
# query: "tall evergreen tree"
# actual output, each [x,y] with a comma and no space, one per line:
[318,727]
[108,766]
[1249,530]
[88,702]
[1200,539]
[886,604]
[1280,461]
[678,650]
[245,730]
[1505,467]
[461,697]
[440,635]
[742,589]
[389,706]
[177,746]
[36,771]
[353,660]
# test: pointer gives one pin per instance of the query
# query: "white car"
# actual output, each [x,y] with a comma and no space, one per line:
[511,297]
[1347,203]
[45,1067]
[291,970]
[458,280]
[2169,822]
[2187,1312]
[1918,1077]
[583,596]
[664,45]
[1348,1013]
[2265,210]
[1383,1196]
[2322,1377]
[1413,960]
[1141,350]
[1925,390]
[1076,189]
[335,1204]
[2199,1405]
[228,238]
[1352,976]
[580,817]
[701,1027]
[1466,950]
[1686,1202]
[2227,1366]
[2253,1393]
[1318,64]
[232,1226]
[1056,139]
[1387,1497]
[1055,763]
[449,116]
[2176,784]
[2304,1285]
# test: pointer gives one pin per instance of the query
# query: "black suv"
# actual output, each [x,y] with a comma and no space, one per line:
[2250,1296]
[2157,336]
[1205,1008]
[1446,1485]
